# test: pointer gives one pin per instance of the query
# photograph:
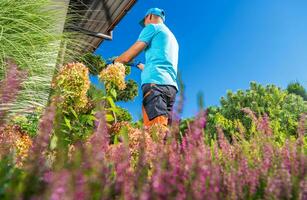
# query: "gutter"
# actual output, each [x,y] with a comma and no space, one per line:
[117,20]
[94,34]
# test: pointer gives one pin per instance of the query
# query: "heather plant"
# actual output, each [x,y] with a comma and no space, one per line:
[9,88]
[140,163]
[20,176]
[185,125]
[141,168]
[14,141]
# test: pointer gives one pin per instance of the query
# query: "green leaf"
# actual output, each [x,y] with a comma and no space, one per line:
[113,93]
[90,120]
[67,122]
[110,100]
[112,109]
[73,112]
[83,119]
[91,117]
[124,133]
[53,142]
[116,139]
[109,118]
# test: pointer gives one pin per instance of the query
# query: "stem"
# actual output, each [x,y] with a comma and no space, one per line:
[1,32]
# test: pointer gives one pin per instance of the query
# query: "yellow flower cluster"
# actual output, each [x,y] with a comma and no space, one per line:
[73,83]
[114,76]
[13,139]
[22,145]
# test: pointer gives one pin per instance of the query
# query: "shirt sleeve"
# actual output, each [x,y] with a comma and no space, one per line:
[147,34]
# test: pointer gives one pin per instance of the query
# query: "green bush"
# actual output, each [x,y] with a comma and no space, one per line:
[123,115]
[94,94]
[77,126]
[282,108]
[129,93]
[75,110]
[28,122]
[72,84]
[95,63]
[298,89]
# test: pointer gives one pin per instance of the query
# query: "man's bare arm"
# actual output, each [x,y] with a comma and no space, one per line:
[131,53]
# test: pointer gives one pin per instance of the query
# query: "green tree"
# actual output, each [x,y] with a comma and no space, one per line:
[282,108]
[298,89]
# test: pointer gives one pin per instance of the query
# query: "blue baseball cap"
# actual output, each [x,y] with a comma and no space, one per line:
[155,11]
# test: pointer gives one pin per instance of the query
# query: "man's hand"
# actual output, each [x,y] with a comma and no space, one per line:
[110,61]
[140,66]
[137,64]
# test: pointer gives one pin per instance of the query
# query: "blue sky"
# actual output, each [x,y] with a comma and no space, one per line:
[224,45]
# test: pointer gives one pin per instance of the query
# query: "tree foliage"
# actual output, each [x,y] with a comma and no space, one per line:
[298,89]
[283,110]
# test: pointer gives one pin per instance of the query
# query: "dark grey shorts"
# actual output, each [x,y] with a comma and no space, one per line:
[158,100]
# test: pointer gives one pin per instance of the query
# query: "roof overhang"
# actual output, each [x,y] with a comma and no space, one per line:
[95,20]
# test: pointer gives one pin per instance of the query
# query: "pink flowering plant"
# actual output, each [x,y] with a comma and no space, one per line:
[84,146]
[157,163]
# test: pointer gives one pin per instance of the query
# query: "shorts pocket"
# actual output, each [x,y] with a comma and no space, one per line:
[154,104]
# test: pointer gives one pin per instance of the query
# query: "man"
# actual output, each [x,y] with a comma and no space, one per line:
[159,74]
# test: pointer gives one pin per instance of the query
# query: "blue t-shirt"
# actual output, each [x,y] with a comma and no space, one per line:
[161,55]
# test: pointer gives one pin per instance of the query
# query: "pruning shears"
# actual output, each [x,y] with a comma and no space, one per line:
[133,63]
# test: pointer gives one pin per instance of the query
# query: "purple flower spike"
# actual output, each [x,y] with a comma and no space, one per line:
[10,86]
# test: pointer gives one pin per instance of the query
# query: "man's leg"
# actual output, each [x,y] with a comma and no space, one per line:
[161,120]
[171,94]
[154,108]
